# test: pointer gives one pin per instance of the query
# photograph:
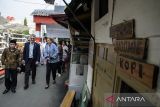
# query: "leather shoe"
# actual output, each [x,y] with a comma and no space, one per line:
[26,87]
[54,81]
[5,91]
[47,86]
[33,82]
[13,91]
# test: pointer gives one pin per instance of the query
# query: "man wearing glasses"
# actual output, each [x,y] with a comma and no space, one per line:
[31,58]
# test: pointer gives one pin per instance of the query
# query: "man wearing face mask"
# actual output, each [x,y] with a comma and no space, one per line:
[11,60]
[31,58]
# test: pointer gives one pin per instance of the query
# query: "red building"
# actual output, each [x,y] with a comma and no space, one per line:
[51,23]
[41,20]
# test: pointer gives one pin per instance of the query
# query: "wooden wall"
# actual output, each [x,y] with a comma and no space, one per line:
[108,76]
[104,73]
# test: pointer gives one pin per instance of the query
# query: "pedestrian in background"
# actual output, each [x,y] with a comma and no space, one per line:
[53,41]
[51,56]
[65,56]
[43,44]
[69,50]
[69,54]
[60,56]
[11,59]
[31,58]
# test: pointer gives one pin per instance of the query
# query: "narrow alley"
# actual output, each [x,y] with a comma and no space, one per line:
[103,53]
[36,95]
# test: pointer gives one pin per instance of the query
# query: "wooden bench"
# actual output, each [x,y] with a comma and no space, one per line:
[68,100]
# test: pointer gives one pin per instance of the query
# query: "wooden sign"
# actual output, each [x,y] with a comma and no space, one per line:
[143,72]
[135,48]
[123,30]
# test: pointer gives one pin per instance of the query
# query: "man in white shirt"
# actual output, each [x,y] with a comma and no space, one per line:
[31,57]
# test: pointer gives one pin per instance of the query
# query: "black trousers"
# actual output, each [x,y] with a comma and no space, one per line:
[63,66]
[51,67]
[10,79]
[30,66]
[22,68]
[59,66]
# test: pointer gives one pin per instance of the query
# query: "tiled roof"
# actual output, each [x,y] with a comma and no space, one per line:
[50,1]
[43,12]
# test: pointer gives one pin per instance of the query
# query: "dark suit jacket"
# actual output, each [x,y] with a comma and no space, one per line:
[36,52]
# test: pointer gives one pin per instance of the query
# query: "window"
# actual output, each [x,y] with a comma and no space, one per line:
[100,8]
[103,8]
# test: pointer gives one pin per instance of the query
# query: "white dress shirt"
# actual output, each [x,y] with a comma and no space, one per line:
[31,46]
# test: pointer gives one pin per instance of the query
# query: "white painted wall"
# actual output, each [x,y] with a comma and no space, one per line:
[147,17]
[102,25]
[90,66]
[76,82]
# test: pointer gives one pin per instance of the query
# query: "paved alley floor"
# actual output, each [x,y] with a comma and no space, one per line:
[35,95]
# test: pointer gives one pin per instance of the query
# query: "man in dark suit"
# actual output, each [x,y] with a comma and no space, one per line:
[31,58]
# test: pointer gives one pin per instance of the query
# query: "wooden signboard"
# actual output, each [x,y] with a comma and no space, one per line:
[142,72]
[123,30]
[135,48]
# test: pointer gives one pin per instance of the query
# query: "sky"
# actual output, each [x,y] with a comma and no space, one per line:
[23,8]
